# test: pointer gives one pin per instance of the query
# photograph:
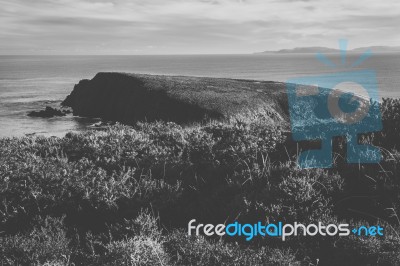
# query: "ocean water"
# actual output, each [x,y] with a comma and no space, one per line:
[32,82]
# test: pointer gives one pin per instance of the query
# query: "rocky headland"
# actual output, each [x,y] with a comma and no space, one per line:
[128,98]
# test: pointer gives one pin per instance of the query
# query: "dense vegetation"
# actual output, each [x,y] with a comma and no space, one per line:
[124,196]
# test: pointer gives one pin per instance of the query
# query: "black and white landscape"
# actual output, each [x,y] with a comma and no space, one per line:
[122,121]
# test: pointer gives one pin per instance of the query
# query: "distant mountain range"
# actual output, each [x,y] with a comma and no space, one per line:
[316,49]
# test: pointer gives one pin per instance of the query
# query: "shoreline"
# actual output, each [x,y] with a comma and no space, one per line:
[217,88]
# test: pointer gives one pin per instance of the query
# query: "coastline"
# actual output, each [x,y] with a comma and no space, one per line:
[129,190]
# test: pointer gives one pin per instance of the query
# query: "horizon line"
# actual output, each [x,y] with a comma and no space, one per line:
[282,51]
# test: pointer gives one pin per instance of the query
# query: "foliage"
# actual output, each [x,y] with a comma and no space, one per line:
[124,196]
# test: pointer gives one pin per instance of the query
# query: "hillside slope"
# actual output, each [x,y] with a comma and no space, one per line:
[133,97]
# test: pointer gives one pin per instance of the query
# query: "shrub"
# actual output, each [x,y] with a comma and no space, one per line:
[101,181]
[46,243]
[136,251]
[190,250]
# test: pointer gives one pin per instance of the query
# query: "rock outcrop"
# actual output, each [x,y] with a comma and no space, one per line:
[132,97]
[49,112]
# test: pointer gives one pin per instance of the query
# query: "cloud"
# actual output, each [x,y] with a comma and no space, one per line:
[191,26]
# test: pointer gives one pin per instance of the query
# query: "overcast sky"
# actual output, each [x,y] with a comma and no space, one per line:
[192,26]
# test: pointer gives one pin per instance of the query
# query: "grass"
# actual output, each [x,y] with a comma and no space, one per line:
[124,196]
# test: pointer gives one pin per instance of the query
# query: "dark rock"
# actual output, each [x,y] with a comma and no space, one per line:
[128,98]
[49,112]
[102,124]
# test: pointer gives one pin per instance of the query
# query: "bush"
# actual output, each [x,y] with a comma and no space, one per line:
[101,181]
[46,243]
[136,251]
[190,250]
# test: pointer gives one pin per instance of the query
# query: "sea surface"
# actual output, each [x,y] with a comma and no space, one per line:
[32,82]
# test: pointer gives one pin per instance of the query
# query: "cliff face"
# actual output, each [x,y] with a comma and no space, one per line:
[131,97]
